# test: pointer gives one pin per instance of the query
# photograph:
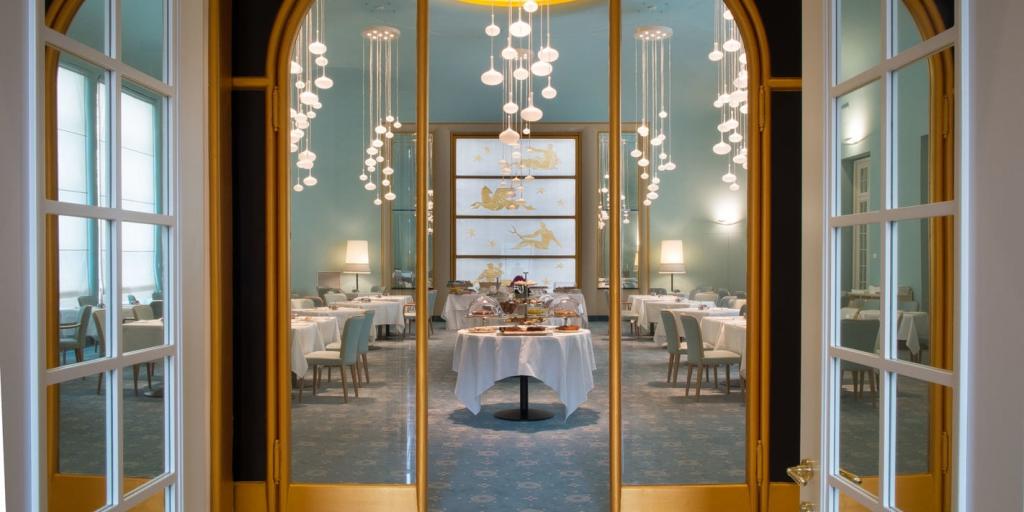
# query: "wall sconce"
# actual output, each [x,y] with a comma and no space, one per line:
[727,215]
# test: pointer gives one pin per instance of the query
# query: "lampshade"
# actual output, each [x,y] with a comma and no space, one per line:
[357,257]
[672,261]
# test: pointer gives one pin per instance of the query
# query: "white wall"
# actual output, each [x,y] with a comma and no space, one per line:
[995,469]
[14,229]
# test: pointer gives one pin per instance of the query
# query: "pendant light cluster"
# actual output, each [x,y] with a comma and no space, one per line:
[731,96]
[604,196]
[309,70]
[380,107]
[520,61]
[653,86]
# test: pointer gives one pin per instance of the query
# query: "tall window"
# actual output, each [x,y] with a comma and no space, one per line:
[108,433]
[515,210]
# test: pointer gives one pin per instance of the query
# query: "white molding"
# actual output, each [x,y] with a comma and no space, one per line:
[906,57]
[49,206]
[89,54]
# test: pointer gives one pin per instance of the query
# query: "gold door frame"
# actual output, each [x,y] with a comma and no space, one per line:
[280,494]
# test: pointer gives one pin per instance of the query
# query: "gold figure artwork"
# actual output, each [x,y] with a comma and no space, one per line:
[545,158]
[503,198]
[491,273]
[539,239]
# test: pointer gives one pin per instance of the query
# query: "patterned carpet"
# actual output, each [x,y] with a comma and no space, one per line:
[482,463]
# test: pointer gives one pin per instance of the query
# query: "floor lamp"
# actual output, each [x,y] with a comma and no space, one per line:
[672,261]
[357,259]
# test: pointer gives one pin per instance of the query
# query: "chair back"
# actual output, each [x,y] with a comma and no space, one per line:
[142,312]
[99,317]
[740,295]
[909,305]
[706,297]
[83,325]
[335,297]
[350,339]
[744,309]
[659,291]
[302,304]
[158,308]
[694,341]
[859,335]
[671,333]
[88,300]
[376,288]
[431,300]
[364,335]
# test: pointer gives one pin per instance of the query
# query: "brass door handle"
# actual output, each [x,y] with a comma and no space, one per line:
[802,473]
[850,476]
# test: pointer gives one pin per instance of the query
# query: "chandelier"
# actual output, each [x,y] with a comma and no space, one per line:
[380,107]
[527,55]
[731,95]
[309,68]
[653,94]
[604,196]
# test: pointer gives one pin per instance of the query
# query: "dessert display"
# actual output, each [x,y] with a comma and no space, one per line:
[565,308]
[483,329]
[568,328]
[522,330]
[484,307]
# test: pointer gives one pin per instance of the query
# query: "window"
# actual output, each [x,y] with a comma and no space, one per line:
[515,210]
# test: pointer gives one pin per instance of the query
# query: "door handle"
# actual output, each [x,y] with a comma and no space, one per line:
[802,473]
[853,477]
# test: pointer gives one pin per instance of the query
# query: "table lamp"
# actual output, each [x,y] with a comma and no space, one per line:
[357,259]
[672,261]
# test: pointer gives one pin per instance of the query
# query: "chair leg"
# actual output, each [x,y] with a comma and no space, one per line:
[99,383]
[300,389]
[355,378]
[671,361]
[135,378]
[430,325]
[316,379]
[728,380]
[344,385]
[689,375]
[366,367]
[700,371]
[675,370]
[149,375]
[715,368]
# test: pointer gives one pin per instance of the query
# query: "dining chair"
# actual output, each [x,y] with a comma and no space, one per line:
[706,297]
[744,309]
[409,313]
[697,356]
[88,300]
[364,344]
[143,312]
[861,335]
[157,305]
[345,356]
[676,347]
[99,318]
[659,291]
[626,312]
[335,297]
[77,340]
[302,303]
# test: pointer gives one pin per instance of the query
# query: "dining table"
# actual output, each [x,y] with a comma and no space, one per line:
[387,313]
[340,314]
[726,333]
[142,334]
[310,333]
[563,360]
[456,307]
[690,308]
[912,326]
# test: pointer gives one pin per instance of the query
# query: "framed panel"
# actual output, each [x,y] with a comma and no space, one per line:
[485,156]
[545,271]
[496,197]
[515,237]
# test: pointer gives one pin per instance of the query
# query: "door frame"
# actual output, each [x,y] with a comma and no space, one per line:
[751,495]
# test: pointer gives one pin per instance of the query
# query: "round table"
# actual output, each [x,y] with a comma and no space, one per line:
[562,360]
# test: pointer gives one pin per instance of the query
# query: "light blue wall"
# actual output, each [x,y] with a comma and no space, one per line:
[337,209]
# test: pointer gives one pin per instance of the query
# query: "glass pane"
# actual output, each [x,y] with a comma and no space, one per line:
[142,389]
[156,503]
[859,45]
[142,36]
[486,156]
[923,145]
[848,504]
[543,271]
[89,25]
[919,427]
[859,167]
[918,20]
[142,162]
[78,421]
[630,214]
[83,274]
[515,237]
[143,260]
[356,424]
[81,133]
[500,197]
[924,276]
[858,423]
[859,286]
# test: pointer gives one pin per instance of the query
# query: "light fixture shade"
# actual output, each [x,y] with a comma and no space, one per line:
[672,261]
[357,257]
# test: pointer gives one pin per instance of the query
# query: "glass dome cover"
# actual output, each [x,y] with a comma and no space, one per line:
[565,307]
[484,306]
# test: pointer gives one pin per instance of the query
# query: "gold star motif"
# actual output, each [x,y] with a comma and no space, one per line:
[492,244]
[540,191]
[560,266]
[471,233]
[561,202]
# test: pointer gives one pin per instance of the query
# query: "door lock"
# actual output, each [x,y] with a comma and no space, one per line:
[802,473]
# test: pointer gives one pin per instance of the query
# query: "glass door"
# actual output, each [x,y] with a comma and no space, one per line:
[881,357]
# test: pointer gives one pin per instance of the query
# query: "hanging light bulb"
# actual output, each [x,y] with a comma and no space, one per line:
[387,171]
[647,202]
[643,130]
[735,137]
[363,177]
[317,48]
[520,73]
[323,82]
[308,98]
[293,147]
[307,155]
[734,187]
[636,153]
[531,114]
[530,6]
[520,28]
[510,107]
[547,54]
[722,148]
[744,109]
[492,76]
[370,185]
[295,68]
[743,58]
[549,92]
[492,30]
[397,124]
[309,181]
[311,114]
[509,53]
[715,55]
[731,45]
[321,61]
[509,136]
[300,85]
[304,164]
[297,187]
[727,14]
[526,131]
[740,159]
[729,177]
[670,166]
[390,196]
[541,68]
[643,162]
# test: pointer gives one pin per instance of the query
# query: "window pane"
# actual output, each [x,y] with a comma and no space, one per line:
[919,427]
[155,503]
[859,45]
[81,133]
[630,213]
[859,286]
[143,260]
[142,35]
[78,419]
[83,273]
[923,249]
[859,167]
[858,422]
[543,271]
[142,390]
[499,197]
[923,145]
[539,157]
[142,176]
[515,237]
[89,25]
[918,20]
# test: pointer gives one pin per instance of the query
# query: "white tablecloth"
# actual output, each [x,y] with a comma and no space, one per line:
[455,309]
[726,333]
[142,334]
[385,312]
[565,362]
[341,315]
[305,338]
[913,326]
[691,308]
